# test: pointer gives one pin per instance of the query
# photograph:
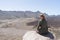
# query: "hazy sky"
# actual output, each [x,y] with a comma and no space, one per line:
[51,7]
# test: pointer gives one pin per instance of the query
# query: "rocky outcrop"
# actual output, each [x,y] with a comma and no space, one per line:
[33,35]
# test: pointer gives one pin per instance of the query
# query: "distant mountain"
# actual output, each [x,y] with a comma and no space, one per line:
[18,14]
[52,19]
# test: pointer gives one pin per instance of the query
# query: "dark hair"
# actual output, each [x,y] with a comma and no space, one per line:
[42,16]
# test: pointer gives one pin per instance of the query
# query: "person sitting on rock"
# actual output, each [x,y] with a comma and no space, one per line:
[42,26]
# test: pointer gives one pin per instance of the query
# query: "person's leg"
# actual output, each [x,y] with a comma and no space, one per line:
[42,33]
[46,33]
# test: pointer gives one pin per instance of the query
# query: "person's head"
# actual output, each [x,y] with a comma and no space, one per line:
[42,16]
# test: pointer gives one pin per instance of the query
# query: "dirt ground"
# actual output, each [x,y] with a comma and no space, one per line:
[15,29]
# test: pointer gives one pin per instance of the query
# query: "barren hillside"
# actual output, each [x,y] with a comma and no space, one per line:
[14,29]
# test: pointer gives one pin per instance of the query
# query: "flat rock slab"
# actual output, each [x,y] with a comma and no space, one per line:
[33,35]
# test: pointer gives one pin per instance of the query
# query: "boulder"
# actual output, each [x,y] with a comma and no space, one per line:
[33,35]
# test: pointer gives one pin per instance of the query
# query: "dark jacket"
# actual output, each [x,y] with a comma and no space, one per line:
[42,26]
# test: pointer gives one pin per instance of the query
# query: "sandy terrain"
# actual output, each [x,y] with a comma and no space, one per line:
[15,29]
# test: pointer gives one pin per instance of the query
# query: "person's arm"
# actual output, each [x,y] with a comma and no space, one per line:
[39,24]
